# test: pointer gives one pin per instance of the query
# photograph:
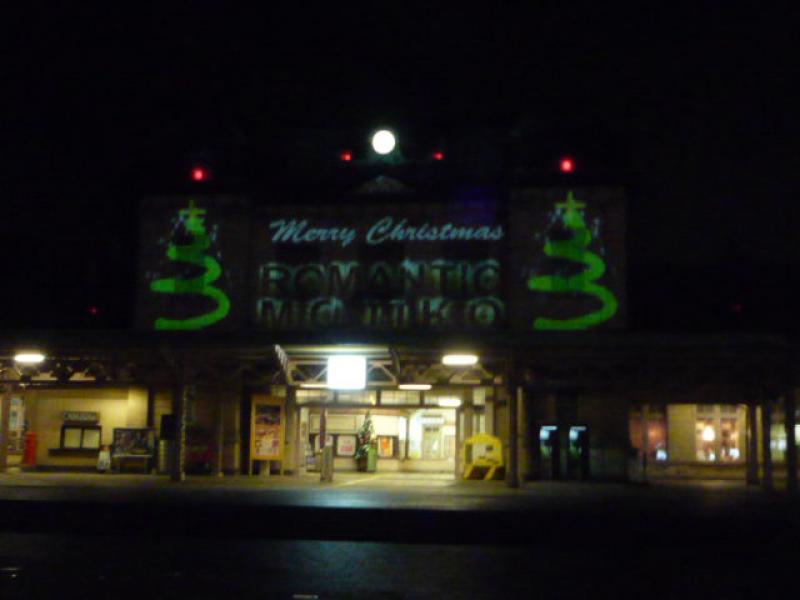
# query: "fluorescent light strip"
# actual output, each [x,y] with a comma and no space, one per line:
[29,358]
[419,387]
[459,360]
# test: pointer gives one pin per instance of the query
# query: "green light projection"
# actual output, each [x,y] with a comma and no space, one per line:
[575,249]
[193,254]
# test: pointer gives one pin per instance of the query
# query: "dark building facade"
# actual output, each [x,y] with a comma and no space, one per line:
[246,306]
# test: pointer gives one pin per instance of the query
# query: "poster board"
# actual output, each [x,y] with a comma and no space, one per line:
[267,428]
[132,441]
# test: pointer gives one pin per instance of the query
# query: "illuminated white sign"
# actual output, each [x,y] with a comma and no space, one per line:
[347,372]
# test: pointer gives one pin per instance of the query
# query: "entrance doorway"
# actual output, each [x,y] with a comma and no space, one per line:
[418,440]
[431,442]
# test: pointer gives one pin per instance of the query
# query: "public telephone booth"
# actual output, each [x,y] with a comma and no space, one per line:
[549,452]
[578,453]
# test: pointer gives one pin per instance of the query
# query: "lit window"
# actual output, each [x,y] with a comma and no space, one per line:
[717,433]
[478,423]
[479,396]
[778,439]
[392,397]
[386,446]
[76,437]
[345,445]
[306,396]
[444,400]
[365,397]
[656,431]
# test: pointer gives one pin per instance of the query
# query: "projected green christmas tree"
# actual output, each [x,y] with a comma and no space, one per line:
[575,249]
[194,254]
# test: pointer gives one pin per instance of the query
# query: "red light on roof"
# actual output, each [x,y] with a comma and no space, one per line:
[346,156]
[567,165]
[199,174]
[438,155]
[94,311]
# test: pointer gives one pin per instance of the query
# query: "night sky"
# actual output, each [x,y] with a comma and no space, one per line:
[690,109]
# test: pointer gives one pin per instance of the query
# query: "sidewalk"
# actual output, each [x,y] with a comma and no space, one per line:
[376,490]
[303,481]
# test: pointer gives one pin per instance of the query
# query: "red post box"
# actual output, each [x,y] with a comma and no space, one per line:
[29,455]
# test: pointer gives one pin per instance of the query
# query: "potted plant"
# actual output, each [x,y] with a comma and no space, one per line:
[365,445]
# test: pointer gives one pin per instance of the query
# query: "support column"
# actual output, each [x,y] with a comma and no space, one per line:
[220,434]
[791,443]
[323,426]
[151,406]
[458,471]
[246,432]
[180,408]
[752,444]
[469,414]
[5,416]
[326,454]
[301,436]
[408,437]
[523,455]
[151,425]
[645,439]
[766,450]
[515,397]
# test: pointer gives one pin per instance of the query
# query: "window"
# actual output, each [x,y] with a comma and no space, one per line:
[387,446]
[778,440]
[314,440]
[432,443]
[478,423]
[443,399]
[656,431]
[80,437]
[479,395]
[778,433]
[363,397]
[306,396]
[400,397]
[345,445]
[717,433]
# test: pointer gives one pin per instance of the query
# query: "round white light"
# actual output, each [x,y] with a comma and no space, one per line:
[414,386]
[459,360]
[383,141]
[709,434]
[29,358]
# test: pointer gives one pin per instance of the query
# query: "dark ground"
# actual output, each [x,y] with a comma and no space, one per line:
[550,540]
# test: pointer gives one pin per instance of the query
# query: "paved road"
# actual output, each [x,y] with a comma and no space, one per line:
[55,566]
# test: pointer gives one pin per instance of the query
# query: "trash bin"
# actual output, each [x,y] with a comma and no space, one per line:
[29,454]
[372,458]
[482,457]
[104,459]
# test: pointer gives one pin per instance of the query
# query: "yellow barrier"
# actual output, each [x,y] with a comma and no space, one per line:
[483,457]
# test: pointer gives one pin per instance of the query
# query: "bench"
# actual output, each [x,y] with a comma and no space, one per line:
[118,459]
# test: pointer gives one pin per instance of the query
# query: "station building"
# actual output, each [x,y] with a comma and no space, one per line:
[247,305]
